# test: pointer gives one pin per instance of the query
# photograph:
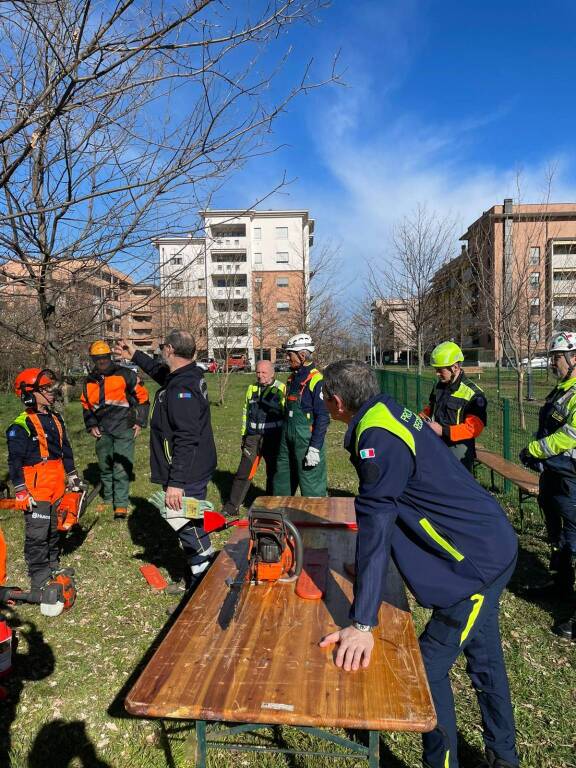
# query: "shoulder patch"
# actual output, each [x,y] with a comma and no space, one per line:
[184,395]
[12,432]
[367,453]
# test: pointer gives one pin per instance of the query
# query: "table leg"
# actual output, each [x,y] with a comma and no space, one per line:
[373,749]
[201,744]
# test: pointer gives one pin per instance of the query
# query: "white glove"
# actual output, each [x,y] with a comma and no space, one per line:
[192,509]
[312,458]
[73,482]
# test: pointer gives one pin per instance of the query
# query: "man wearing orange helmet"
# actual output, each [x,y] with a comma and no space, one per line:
[115,410]
[40,463]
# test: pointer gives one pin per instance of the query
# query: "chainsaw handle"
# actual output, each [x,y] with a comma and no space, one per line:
[298,552]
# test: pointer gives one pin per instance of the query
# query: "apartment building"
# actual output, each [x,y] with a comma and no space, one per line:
[392,331]
[242,288]
[513,284]
[93,299]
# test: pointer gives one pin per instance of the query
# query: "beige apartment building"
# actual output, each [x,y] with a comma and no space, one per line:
[243,287]
[94,300]
[392,331]
[513,284]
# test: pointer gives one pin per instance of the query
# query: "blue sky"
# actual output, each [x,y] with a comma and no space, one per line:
[445,104]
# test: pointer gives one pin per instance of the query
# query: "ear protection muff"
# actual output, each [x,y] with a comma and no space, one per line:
[28,398]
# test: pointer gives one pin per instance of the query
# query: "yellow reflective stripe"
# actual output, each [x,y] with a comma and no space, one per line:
[464,392]
[447,759]
[440,540]
[478,600]
[20,420]
[167,451]
[380,416]
[314,380]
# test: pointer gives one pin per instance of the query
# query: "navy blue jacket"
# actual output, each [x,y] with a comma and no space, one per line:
[417,503]
[311,402]
[182,449]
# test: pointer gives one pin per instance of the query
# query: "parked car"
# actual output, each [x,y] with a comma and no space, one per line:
[281,366]
[237,362]
[208,364]
[537,362]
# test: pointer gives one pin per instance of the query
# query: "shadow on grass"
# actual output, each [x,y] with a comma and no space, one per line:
[59,743]
[531,572]
[222,479]
[37,664]
[159,542]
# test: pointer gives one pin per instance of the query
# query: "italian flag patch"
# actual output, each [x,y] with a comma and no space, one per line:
[367,453]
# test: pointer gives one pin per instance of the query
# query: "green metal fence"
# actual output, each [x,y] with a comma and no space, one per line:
[507,430]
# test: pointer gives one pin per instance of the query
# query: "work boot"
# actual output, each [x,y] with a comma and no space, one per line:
[492,761]
[177,588]
[566,630]
[120,513]
[229,510]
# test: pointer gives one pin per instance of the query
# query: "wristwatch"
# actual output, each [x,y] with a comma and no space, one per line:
[361,627]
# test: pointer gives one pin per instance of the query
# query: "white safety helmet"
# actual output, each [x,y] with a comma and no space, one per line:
[563,342]
[299,342]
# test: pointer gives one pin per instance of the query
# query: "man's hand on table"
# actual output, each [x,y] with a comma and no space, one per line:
[355,648]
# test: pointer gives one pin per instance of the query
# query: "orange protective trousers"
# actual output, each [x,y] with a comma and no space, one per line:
[46,481]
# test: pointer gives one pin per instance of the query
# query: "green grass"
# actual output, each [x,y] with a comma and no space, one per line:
[65,697]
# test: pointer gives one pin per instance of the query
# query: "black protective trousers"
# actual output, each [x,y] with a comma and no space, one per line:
[254,447]
[41,543]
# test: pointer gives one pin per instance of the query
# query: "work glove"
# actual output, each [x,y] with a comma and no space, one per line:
[312,458]
[23,495]
[192,509]
[529,461]
[73,482]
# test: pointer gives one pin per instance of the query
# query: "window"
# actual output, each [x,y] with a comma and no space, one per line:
[534,307]
[282,282]
[177,285]
[200,259]
[220,267]
[534,255]
[257,258]
[282,257]
[176,259]
[201,283]
[282,233]
[257,233]
[535,280]
[282,306]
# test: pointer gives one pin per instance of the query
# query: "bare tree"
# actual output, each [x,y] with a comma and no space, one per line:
[316,300]
[421,244]
[116,120]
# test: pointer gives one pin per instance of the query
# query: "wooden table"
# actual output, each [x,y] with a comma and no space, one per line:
[251,656]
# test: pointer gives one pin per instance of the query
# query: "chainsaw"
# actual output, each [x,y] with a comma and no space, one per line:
[275,550]
[56,596]
[71,507]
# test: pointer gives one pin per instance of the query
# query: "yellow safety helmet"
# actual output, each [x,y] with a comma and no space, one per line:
[99,347]
[446,354]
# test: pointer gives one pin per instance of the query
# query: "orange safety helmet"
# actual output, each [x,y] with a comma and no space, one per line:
[31,379]
[99,347]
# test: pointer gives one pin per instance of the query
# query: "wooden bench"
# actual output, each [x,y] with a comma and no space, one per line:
[239,661]
[525,480]
[473,370]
